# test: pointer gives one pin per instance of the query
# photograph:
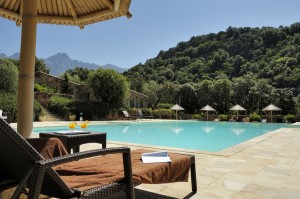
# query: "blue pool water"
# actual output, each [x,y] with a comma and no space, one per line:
[209,136]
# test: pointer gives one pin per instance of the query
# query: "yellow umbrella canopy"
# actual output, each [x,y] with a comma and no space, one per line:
[67,12]
[61,12]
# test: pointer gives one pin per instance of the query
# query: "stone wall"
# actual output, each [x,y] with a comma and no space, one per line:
[79,91]
[43,97]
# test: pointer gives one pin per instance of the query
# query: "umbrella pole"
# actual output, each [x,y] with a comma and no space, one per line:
[26,70]
[271,117]
[206,115]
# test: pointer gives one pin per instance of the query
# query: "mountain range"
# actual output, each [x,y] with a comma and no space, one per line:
[61,62]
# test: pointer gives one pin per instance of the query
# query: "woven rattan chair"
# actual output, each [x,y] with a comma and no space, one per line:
[23,166]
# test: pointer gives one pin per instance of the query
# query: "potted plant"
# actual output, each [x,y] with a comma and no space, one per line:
[42,116]
[72,116]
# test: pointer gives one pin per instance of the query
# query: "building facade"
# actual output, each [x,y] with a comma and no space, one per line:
[83,92]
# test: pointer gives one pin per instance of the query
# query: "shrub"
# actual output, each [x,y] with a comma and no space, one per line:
[147,111]
[9,76]
[109,87]
[60,105]
[197,116]
[223,117]
[163,113]
[254,117]
[8,103]
[289,118]
[38,87]
[44,88]
[89,109]
[37,110]
[164,106]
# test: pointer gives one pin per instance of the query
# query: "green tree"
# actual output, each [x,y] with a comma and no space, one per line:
[272,36]
[8,103]
[298,104]
[221,94]
[270,54]
[168,92]
[203,93]
[40,65]
[152,90]
[80,74]
[9,76]
[238,61]
[241,87]
[109,87]
[137,82]
[259,96]
[65,84]
[284,99]
[186,97]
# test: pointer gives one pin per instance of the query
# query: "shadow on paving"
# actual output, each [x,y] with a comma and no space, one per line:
[141,194]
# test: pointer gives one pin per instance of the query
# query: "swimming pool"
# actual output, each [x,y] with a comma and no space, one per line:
[195,135]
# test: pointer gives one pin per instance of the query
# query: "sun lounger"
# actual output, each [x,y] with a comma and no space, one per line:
[5,116]
[128,116]
[22,165]
[1,115]
[82,175]
[141,115]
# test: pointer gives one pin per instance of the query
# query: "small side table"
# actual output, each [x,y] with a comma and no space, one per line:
[74,141]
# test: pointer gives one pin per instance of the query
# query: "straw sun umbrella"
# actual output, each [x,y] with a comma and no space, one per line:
[207,108]
[177,108]
[271,108]
[237,108]
[62,12]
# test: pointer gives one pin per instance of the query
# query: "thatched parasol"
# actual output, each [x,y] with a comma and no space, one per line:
[207,108]
[237,108]
[271,108]
[60,12]
[176,108]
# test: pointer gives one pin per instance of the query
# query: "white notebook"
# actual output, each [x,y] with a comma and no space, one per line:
[160,156]
[72,132]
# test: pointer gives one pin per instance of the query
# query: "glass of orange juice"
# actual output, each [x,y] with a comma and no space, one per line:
[84,125]
[72,125]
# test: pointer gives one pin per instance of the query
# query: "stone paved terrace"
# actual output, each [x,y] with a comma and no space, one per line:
[264,167]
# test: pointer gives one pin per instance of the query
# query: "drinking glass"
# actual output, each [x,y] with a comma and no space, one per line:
[84,125]
[72,125]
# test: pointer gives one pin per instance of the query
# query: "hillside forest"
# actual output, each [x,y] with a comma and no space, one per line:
[252,67]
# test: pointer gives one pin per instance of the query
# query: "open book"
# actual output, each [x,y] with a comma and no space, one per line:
[160,156]
[74,132]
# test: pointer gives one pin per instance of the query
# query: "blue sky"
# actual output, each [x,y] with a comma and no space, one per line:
[156,25]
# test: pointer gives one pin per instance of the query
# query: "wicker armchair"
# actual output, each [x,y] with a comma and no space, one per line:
[22,166]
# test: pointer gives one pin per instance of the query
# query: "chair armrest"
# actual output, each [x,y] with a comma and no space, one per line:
[82,155]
